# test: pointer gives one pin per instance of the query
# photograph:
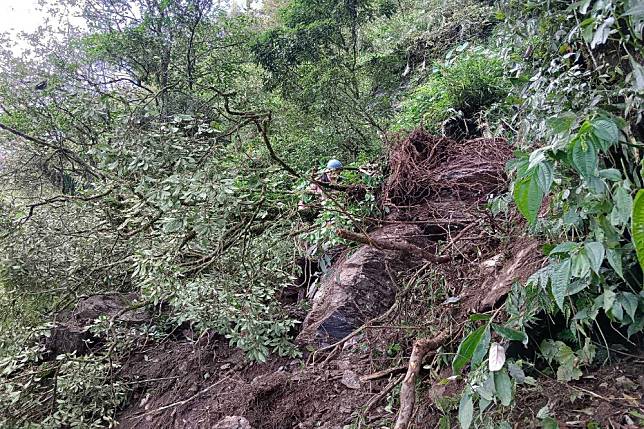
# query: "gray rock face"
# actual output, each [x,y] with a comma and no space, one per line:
[358,288]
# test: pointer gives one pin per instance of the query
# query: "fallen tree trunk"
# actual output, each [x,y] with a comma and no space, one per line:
[408,388]
[401,246]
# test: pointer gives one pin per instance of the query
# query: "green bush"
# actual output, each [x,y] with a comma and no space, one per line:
[461,88]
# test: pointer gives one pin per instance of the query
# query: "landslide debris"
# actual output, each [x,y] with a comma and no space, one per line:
[436,192]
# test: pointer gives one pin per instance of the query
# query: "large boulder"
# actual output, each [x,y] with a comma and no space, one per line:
[70,333]
[359,287]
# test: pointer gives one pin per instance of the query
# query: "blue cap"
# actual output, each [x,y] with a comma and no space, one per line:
[334,164]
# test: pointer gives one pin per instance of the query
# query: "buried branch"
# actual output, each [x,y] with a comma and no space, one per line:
[408,388]
[392,245]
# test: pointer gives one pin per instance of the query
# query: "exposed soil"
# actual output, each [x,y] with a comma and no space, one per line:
[198,384]
[611,396]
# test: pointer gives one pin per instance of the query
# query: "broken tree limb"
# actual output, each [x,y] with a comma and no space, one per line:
[401,246]
[408,388]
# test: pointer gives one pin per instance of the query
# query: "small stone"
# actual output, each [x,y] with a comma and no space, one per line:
[350,379]
[233,422]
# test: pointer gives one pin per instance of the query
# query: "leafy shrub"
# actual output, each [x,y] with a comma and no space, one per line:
[460,88]
[72,391]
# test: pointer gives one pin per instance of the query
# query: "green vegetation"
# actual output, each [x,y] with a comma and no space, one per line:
[162,150]
[461,88]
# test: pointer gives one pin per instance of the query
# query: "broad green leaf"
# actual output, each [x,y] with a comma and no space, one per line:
[637,225]
[578,285]
[465,411]
[483,404]
[503,386]
[611,174]
[510,334]
[614,257]
[561,123]
[568,369]
[579,265]
[528,197]
[595,252]
[466,349]
[637,10]
[583,157]
[481,349]
[545,176]
[549,423]
[560,281]
[565,247]
[516,372]
[606,130]
[617,311]
[630,303]
[444,423]
[602,32]
[622,207]
[487,389]
[476,317]
[608,299]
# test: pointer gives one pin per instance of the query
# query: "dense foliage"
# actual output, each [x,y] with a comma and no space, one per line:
[162,149]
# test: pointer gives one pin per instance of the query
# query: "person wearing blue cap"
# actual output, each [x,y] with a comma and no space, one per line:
[329,175]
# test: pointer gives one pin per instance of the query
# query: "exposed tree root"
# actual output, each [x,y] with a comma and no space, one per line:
[408,389]
[401,246]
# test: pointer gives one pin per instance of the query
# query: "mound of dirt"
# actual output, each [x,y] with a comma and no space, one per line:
[206,384]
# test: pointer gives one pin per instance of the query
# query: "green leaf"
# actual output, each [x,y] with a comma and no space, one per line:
[481,349]
[611,174]
[545,176]
[465,411]
[637,225]
[487,389]
[549,423]
[579,265]
[595,252]
[510,334]
[560,282]
[503,387]
[476,317]
[565,247]
[606,130]
[516,373]
[466,349]
[630,303]
[528,197]
[623,205]
[614,257]
[608,299]
[583,157]
[561,123]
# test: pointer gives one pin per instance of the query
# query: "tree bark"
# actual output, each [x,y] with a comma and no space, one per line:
[408,388]
[401,246]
